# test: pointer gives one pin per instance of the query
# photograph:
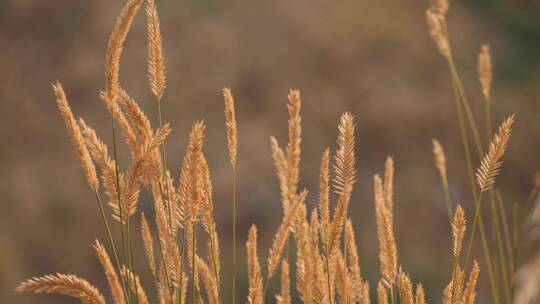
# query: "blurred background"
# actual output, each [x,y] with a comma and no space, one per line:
[372,58]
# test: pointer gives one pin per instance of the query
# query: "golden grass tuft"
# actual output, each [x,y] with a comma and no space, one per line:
[491,163]
[325,259]
[230,121]
[63,284]
[156,62]
[76,137]
[485,71]
[254,269]
[459,224]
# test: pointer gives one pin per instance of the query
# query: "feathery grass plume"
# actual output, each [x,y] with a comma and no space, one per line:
[456,287]
[195,146]
[280,162]
[435,24]
[324,194]
[440,161]
[319,287]
[281,236]
[156,62]
[135,285]
[420,297]
[447,293]
[485,71]
[459,224]
[382,296]
[304,261]
[255,295]
[285,294]
[345,176]
[112,277]
[209,281]
[345,291]
[76,137]
[230,122]
[100,155]
[163,290]
[405,289]
[142,168]
[441,6]
[385,234]
[293,146]
[232,140]
[148,242]
[352,256]
[389,185]
[491,164]
[115,47]
[209,222]
[364,295]
[121,120]
[470,290]
[345,160]
[63,284]
[168,249]
[138,119]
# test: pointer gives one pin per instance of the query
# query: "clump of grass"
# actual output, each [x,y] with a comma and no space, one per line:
[328,269]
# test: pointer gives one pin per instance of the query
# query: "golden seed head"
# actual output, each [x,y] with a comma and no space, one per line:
[156,61]
[485,71]
[230,121]
[440,161]
[491,163]
[441,6]
[435,24]
[76,137]
[459,224]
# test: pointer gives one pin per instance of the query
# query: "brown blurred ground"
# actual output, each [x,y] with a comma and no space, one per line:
[372,58]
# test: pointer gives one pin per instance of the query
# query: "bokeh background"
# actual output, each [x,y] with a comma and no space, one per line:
[372,58]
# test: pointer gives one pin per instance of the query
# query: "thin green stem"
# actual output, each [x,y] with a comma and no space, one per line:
[234,235]
[162,255]
[504,273]
[120,207]
[181,281]
[164,158]
[111,241]
[468,112]
[193,266]
[448,201]
[327,258]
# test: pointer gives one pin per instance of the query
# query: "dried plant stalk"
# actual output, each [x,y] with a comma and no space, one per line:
[405,289]
[135,285]
[285,295]
[230,122]
[420,297]
[382,296]
[148,242]
[63,284]
[440,161]
[282,234]
[470,290]
[485,71]
[385,234]
[115,47]
[435,22]
[491,164]
[110,273]
[76,137]
[459,224]
[254,269]
[156,62]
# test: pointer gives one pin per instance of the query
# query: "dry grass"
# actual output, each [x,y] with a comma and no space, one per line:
[327,267]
